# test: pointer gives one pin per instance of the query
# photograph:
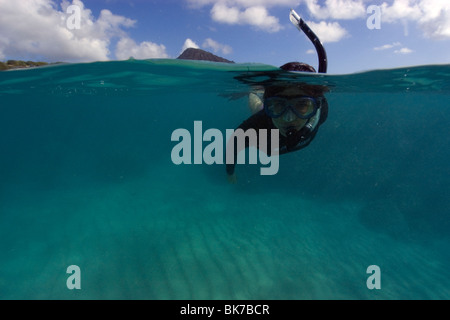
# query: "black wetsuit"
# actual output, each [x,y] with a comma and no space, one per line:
[299,140]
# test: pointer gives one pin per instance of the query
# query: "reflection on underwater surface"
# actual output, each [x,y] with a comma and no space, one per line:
[86,179]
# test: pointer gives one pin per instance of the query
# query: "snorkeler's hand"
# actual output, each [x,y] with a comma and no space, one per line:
[254,103]
[232,179]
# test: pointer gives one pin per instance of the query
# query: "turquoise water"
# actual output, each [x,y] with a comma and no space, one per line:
[86,179]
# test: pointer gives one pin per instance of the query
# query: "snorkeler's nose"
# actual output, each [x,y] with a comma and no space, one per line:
[289,116]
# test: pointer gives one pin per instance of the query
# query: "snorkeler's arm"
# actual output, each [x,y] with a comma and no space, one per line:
[255,100]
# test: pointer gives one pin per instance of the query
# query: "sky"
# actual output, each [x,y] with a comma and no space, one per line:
[358,35]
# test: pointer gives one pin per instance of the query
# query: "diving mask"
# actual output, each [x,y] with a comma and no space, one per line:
[302,107]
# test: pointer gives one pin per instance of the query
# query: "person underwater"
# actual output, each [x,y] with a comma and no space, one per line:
[296,109]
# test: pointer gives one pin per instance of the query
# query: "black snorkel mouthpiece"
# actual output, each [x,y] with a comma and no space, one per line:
[291,138]
[290,133]
[302,26]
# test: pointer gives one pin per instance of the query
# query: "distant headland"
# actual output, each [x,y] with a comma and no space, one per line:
[19,64]
[198,54]
[188,54]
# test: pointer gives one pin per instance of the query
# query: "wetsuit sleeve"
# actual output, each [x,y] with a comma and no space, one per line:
[257,121]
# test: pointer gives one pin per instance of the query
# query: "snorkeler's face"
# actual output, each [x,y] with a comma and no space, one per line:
[285,126]
[289,120]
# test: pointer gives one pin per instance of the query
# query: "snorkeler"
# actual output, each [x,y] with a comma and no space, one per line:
[297,110]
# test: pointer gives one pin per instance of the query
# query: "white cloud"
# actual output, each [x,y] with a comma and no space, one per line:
[222,13]
[310,51]
[244,3]
[245,12]
[189,44]
[127,48]
[217,47]
[403,51]
[435,21]
[387,46]
[431,16]
[37,29]
[328,31]
[403,9]
[256,16]
[337,9]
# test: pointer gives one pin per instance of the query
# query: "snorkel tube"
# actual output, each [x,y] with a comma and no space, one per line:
[302,26]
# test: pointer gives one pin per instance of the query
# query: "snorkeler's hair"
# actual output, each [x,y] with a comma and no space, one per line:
[297,66]
[308,89]
[311,90]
